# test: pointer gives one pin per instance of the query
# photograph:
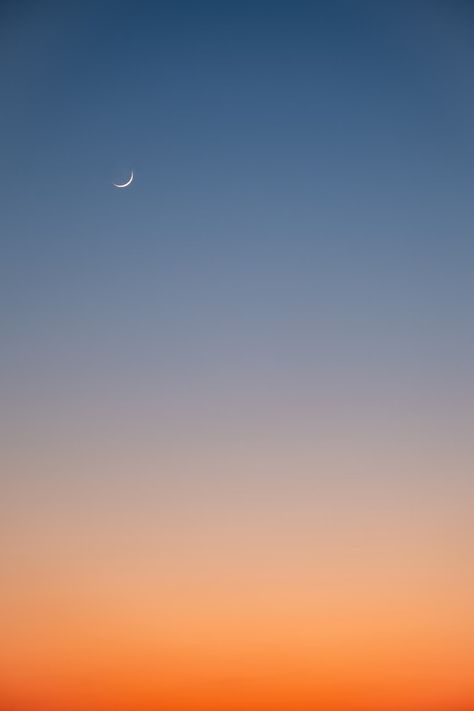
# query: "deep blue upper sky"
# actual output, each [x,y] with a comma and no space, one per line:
[304,187]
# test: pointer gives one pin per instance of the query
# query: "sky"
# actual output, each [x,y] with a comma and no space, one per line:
[237,396]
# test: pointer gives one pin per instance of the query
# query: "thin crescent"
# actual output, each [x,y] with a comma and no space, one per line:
[124,185]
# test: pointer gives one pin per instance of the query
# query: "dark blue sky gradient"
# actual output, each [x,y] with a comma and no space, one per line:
[301,215]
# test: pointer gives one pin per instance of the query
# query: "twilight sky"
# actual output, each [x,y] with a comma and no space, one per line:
[237,397]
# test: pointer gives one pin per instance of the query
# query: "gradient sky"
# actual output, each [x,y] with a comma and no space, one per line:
[237,397]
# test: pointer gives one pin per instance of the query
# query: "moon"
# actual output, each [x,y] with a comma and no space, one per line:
[124,185]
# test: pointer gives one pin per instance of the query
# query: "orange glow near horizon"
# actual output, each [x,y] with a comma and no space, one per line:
[250,614]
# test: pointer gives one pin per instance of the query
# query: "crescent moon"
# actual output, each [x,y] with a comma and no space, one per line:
[124,185]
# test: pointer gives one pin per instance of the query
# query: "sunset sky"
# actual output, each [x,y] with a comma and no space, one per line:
[237,397]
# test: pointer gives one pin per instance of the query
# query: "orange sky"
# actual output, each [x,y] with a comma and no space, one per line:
[238,618]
